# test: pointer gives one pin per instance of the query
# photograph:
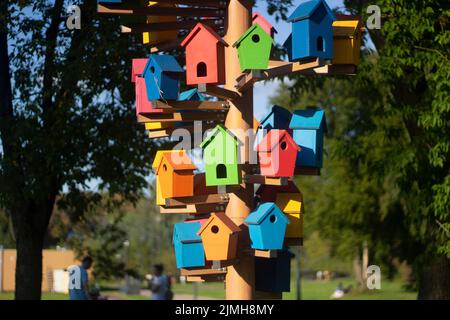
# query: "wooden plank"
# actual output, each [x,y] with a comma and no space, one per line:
[192,105]
[201,272]
[181,117]
[206,278]
[193,209]
[199,3]
[218,92]
[278,69]
[307,171]
[293,242]
[202,199]
[167,132]
[165,26]
[118,8]
[259,179]
[266,253]
[334,70]
[166,46]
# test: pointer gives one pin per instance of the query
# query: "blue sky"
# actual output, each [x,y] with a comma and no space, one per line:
[264,90]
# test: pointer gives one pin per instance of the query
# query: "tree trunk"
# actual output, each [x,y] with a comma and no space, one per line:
[434,280]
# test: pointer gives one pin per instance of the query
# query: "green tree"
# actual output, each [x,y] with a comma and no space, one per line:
[387,178]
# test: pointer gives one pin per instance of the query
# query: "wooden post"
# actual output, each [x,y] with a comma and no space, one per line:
[240,279]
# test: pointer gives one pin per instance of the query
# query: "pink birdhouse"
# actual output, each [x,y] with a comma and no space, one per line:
[277,153]
[137,67]
[263,23]
[142,104]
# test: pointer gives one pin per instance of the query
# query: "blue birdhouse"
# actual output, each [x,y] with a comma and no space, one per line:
[191,95]
[312,31]
[274,274]
[162,77]
[309,127]
[188,245]
[277,118]
[267,226]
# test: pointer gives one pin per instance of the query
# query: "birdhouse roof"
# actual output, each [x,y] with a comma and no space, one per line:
[263,22]
[187,232]
[224,219]
[308,119]
[165,62]
[158,157]
[137,67]
[200,27]
[219,129]
[276,111]
[178,160]
[190,94]
[346,28]
[273,138]
[251,30]
[306,9]
[263,211]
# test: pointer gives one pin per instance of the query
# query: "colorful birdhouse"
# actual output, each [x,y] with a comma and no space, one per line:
[268,193]
[137,67]
[292,206]
[263,23]
[347,41]
[205,56]
[274,274]
[162,77]
[267,227]
[220,237]
[191,95]
[175,172]
[220,158]
[277,154]
[188,245]
[312,31]
[309,127]
[143,105]
[158,37]
[159,199]
[254,48]
[277,118]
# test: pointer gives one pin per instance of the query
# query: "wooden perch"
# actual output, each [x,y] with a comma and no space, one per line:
[192,105]
[276,69]
[266,253]
[202,199]
[259,179]
[193,209]
[202,272]
[118,8]
[180,117]
[165,26]
[198,3]
[333,70]
[218,92]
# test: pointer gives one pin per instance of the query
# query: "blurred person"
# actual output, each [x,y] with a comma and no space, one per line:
[79,280]
[160,284]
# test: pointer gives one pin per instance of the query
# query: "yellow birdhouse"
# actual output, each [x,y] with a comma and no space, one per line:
[160,200]
[153,38]
[292,206]
[347,41]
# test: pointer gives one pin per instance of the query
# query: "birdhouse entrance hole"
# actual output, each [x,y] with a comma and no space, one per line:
[202,69]
[152,69]
[283,145]
[255,38]
[272,218]
[214,229]
[320,44]
[221,171]
[164,167]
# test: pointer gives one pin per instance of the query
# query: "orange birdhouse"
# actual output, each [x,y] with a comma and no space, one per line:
[220,237]
[205,56]
[277,154]
[175,173]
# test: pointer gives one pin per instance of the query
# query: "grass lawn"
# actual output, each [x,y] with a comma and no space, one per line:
[311,290]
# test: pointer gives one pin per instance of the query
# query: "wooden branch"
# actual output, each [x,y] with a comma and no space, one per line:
[198,3]
[181,117]
[259,179]
[206,278]
[193,209]
[278,69]
[293,242]
[202,199]
[192,105]
[266,253]
[307,171]
[167,132]
[165,26]
[333,70]
[118,8]
[201,272]
[218,92]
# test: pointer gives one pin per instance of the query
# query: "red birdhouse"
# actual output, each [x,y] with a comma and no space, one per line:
[277,153]
[205,56]
[137,67]
[266,25]
[143,106]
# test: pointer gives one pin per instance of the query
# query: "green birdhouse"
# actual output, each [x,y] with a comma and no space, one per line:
[220,149]
[254,49]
